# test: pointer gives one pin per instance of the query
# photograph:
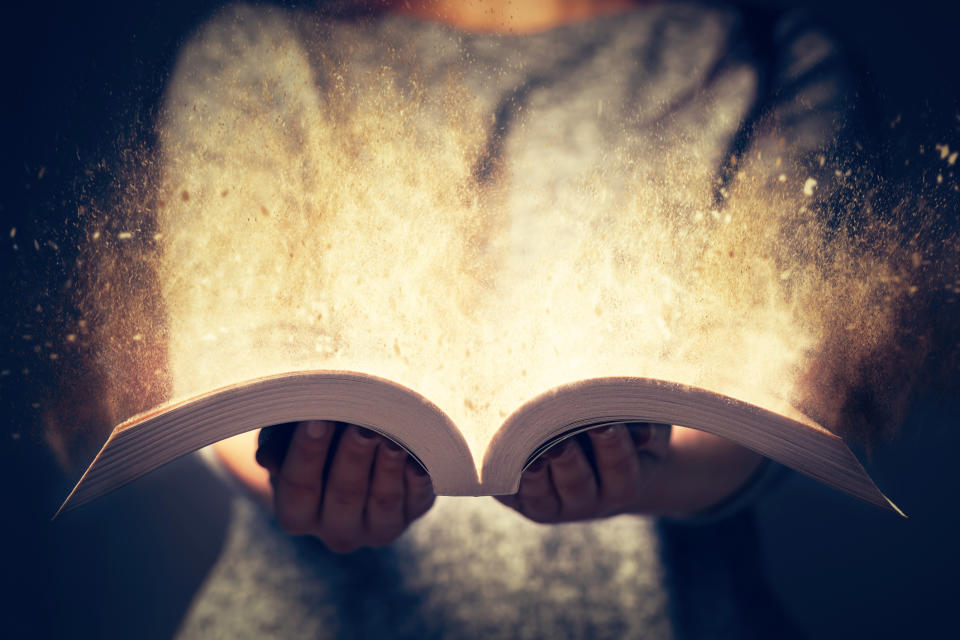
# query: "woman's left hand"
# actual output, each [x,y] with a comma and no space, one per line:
[602,473]
[641,468]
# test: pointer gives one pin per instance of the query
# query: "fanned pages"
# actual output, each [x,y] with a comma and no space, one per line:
[152,439]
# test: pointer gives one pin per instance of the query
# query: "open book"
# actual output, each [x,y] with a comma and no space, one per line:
[154,438]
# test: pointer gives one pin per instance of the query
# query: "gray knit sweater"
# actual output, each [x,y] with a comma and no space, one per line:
[702,88]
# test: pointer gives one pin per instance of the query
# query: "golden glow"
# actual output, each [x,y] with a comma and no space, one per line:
[345,229]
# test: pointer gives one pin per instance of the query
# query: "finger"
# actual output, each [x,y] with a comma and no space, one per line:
[385,504]
[651,438]
[418,491]
[267,461]
[652,444]
[299,486]
[345,496]
[618,466]
[573,480]
[272,445]
[538,500]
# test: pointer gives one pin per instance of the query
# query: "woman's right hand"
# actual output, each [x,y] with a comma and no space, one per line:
[343,484]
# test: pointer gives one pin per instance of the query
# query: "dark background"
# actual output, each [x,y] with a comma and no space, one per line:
[77,78]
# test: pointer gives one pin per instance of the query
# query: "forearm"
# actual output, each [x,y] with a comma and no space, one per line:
[699,471]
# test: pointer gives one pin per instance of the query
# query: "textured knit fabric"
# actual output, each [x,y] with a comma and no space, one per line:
[685,95]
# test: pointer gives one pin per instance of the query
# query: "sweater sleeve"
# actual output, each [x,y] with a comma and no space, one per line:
[804,123]
[237,143]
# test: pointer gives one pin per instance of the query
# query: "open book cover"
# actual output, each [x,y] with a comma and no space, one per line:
[154,438]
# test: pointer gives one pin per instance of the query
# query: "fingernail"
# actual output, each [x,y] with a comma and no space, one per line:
[316,429]
[392,447]
[607,430]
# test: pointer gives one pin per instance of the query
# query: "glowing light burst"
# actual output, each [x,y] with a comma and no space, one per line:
[345,228]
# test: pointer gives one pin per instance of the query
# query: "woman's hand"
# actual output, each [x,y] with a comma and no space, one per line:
[602,473]
[638,469]
[346,485]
